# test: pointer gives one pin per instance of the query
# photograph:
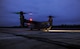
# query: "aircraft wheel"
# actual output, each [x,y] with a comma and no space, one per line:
[31,29]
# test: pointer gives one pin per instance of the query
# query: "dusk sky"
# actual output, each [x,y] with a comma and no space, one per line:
[64,11]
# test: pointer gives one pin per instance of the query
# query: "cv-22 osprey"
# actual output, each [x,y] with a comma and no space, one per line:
[33,24]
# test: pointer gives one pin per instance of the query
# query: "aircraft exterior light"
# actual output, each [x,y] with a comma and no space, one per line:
[30,19]
[30,13]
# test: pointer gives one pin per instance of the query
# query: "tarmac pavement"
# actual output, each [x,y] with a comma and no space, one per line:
[22,38]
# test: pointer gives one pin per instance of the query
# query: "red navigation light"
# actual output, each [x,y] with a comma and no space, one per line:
[30,19]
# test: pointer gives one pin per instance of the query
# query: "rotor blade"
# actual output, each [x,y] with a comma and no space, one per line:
[15,12]
[18,12]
